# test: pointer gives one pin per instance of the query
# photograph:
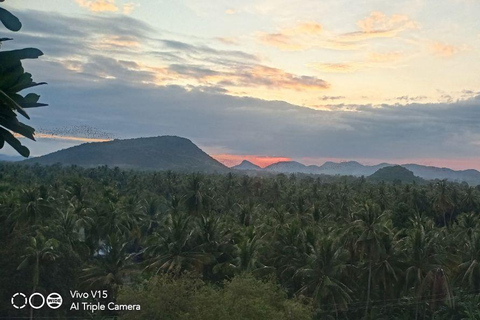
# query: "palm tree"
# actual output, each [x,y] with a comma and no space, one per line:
[174,249]
[469,269]
[323,274]
[370,228]
[38,251]
[194,197]
[442,202]
[419,251]
[108,268]
[33,209]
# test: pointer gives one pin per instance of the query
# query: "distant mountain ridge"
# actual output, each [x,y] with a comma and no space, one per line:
[155,153]
[180,154]
[354,168]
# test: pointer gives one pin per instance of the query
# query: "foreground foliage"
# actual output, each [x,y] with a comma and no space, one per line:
[192,246]
[14,79]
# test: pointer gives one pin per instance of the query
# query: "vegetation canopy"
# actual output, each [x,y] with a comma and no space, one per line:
[211,246]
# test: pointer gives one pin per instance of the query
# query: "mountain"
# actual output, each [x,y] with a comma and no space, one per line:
[288,167]
[156,153]
[354,168]
[4,157]
[349,168]
[471,176]
[246,165]
[394,173]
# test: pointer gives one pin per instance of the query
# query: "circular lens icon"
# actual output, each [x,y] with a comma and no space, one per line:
[19,298]
[30,300]
[54,300]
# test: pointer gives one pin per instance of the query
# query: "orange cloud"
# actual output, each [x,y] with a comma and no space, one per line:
[294,38]
[445,50]
[231,160]
[280,41]
[310,34]
[98,5]
[342,67]
[304,28]
[105,6]
[60,137]
[129,7]
[109,42]
[373,59]
[277,78]
[379,25]
[245,77]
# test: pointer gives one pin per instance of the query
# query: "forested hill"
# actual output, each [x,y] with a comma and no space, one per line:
[393,174]
[155,153]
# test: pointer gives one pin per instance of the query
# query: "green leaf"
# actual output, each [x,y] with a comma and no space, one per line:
[24,263]
[9,20]
[20,54]
[12,141]
[20,87]
[12,104]
[14,125]
[26,105]
[10,73]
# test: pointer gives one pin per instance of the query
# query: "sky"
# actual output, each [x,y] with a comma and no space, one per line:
[264,80]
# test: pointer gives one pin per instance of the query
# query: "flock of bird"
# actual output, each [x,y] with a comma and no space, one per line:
[81,131]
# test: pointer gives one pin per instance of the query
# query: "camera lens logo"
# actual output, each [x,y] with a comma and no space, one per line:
[19,300]
[38,306]
[54,300]
[36,300]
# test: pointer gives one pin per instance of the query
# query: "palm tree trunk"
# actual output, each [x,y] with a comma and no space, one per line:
[368,287]
[416,310]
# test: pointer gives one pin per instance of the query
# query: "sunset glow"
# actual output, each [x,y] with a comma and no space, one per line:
[231,160]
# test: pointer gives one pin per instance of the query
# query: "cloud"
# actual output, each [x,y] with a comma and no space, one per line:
[372,60]
[228,40]
[98,5]
[181,86]
[379,25]
[409,99]
[270,128]
[115,47]
[192,49]
[302,36]
[445,50]
[309,35]
[338,67]
[248,76]
[325,98]
[106,6]
[129,7]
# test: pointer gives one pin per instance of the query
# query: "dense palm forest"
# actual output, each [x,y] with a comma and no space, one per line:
[193,246]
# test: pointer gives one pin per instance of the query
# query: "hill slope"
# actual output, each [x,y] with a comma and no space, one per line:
[246,165]
[394,173]
[156,153]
